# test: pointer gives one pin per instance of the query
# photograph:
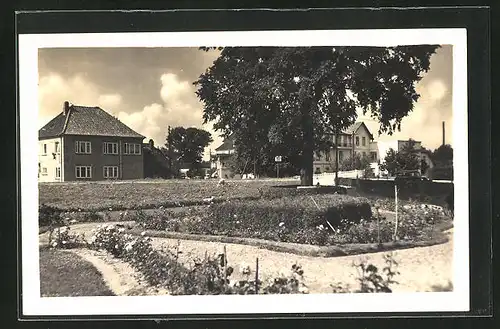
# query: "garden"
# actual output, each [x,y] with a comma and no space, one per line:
[263,214]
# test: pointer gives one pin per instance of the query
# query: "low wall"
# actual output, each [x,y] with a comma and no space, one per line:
[385,188]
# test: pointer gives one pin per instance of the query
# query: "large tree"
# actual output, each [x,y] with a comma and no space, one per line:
[186,145]
[294,98]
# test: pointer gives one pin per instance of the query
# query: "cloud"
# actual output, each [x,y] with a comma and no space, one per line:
[434,106]
[180,107]
[110,102]
[53,90]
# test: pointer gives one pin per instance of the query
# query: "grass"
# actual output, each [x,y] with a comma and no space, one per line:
[64,274]
[87,196]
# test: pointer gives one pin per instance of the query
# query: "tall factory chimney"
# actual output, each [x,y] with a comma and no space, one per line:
[443,134]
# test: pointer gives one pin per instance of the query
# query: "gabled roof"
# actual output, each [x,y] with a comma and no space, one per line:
[227,145]
[355,127]
[89,121]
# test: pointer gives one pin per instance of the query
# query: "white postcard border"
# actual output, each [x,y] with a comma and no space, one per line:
[33,304]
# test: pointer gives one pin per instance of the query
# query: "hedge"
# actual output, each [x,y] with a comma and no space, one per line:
[295,219]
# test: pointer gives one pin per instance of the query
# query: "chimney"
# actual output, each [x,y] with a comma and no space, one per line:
[443,134]
[66,107]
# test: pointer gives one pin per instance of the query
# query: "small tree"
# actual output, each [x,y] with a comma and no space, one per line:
[406,159]
[355,162]
[186,145]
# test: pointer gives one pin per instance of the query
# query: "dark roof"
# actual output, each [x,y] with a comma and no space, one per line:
[353,128]
[83,120]
[227,144]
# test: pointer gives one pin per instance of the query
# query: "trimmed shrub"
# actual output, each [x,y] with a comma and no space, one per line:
[49,216]
[295,219]
[278,192]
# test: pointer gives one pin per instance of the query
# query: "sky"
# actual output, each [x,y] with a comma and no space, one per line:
[151,88]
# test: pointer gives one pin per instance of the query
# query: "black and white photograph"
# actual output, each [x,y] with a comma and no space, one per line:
[244,172]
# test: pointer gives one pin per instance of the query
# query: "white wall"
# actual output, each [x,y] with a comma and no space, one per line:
[50,161]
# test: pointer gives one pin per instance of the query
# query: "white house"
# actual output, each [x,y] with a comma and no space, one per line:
[357,139]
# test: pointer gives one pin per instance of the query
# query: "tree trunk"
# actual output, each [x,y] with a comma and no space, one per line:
[306,175]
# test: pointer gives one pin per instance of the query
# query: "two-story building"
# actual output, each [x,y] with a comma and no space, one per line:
[356,139]
[221,157]
[87,143]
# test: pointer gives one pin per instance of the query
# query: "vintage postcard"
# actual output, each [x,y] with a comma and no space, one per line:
[250,172]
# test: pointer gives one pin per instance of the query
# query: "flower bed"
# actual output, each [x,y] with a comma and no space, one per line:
[306,220]
[339,220]
[209,276]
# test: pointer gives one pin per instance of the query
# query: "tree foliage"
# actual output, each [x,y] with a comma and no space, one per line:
[406,159]
[443,154]
[186,145]
[286,100]
[356,162]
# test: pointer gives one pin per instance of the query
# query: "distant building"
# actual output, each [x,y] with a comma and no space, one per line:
[88,144]
[356,139]
[220,159]
[398,145]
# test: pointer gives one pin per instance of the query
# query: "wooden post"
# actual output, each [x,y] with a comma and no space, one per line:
[257,276]
[378,226]
[396,202]
[225,266]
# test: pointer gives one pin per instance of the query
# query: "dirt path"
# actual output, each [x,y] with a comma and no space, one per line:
[420,268]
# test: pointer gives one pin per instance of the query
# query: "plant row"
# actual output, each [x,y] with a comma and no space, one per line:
[212,274]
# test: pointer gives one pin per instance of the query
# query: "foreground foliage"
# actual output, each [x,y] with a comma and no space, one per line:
[322,220]
[213,275]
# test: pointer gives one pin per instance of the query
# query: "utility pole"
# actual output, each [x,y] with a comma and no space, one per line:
[336,158]
[169,145]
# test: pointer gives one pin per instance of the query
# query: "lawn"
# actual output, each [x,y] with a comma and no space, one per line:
[146,193]
[64,274]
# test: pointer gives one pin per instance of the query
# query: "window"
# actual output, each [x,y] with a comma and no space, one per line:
[357,140]
[82,147]
[56,147]
[344,141]
[110,148]
[83,171]
[110,171]
[363,141]
[58,172]
[374,156]
[44,171]
[44,149]
[327,155]
[130,148]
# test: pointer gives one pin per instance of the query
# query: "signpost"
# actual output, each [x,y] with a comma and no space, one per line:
[277,159]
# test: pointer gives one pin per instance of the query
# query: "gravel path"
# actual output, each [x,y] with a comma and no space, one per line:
[420,268]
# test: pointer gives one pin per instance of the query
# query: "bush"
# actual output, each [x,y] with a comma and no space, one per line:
[49,216]
[370,279]
[209,276]
[62,238]
[295,220]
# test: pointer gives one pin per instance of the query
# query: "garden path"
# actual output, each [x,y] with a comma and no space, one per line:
[421,268]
